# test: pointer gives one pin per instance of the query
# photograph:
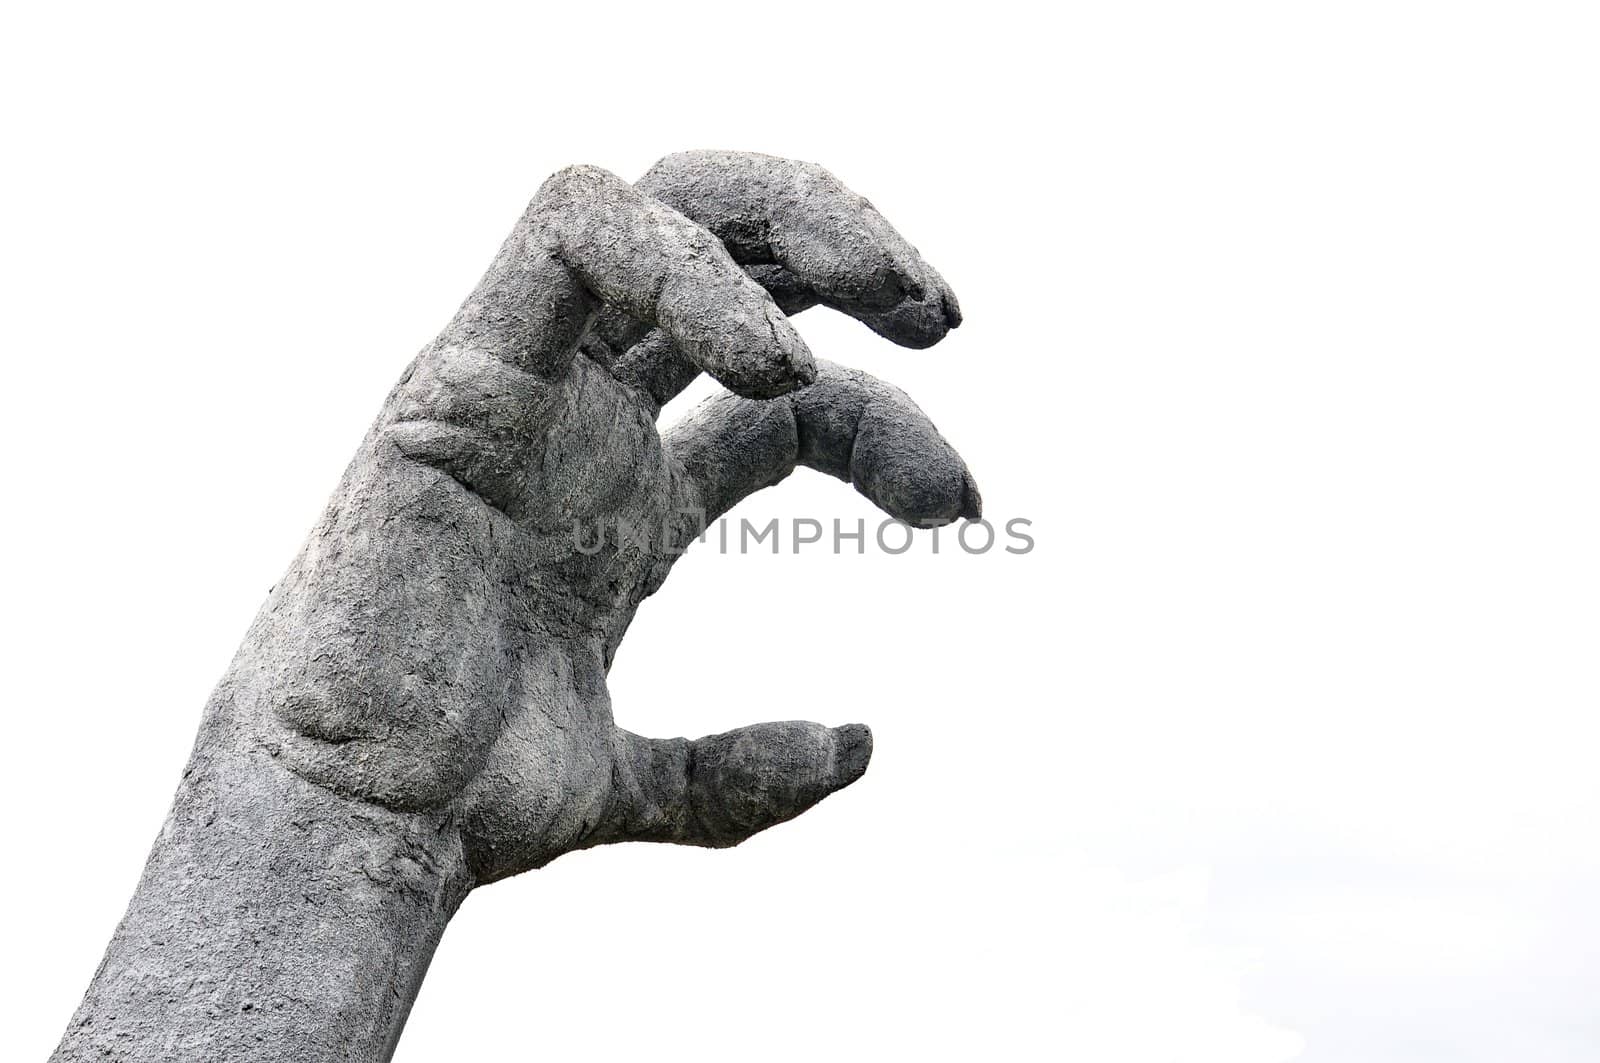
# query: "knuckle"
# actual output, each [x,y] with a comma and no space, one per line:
[576,182]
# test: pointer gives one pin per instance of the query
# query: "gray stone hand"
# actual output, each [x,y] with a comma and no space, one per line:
[421,705]
[445,635]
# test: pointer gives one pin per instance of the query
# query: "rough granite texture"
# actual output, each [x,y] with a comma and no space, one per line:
[420,707]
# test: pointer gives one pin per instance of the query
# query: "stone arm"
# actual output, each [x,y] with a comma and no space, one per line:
[420,708]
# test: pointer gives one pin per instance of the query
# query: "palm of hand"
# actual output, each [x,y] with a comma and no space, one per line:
[443,637]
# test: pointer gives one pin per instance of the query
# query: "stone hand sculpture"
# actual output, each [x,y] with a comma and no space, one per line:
[420,706]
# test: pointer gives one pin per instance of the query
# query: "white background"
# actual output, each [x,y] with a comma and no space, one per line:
[1281,329]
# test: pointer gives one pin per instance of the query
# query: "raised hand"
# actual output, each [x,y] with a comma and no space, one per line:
[421,705]
[444,638]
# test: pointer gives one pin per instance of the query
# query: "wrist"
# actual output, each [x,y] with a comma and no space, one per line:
[273,920]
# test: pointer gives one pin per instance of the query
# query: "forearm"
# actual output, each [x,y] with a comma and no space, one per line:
[274,921]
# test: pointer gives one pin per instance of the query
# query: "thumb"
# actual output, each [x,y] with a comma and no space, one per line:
[719,790]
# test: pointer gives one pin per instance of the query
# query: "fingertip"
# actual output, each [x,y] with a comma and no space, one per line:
[801,363]
[915,323]
[901,462]
[971,500]
[852,752]
[952,308]
[788,364]
[762,360]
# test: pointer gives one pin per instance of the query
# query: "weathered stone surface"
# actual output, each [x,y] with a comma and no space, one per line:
[420,707]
